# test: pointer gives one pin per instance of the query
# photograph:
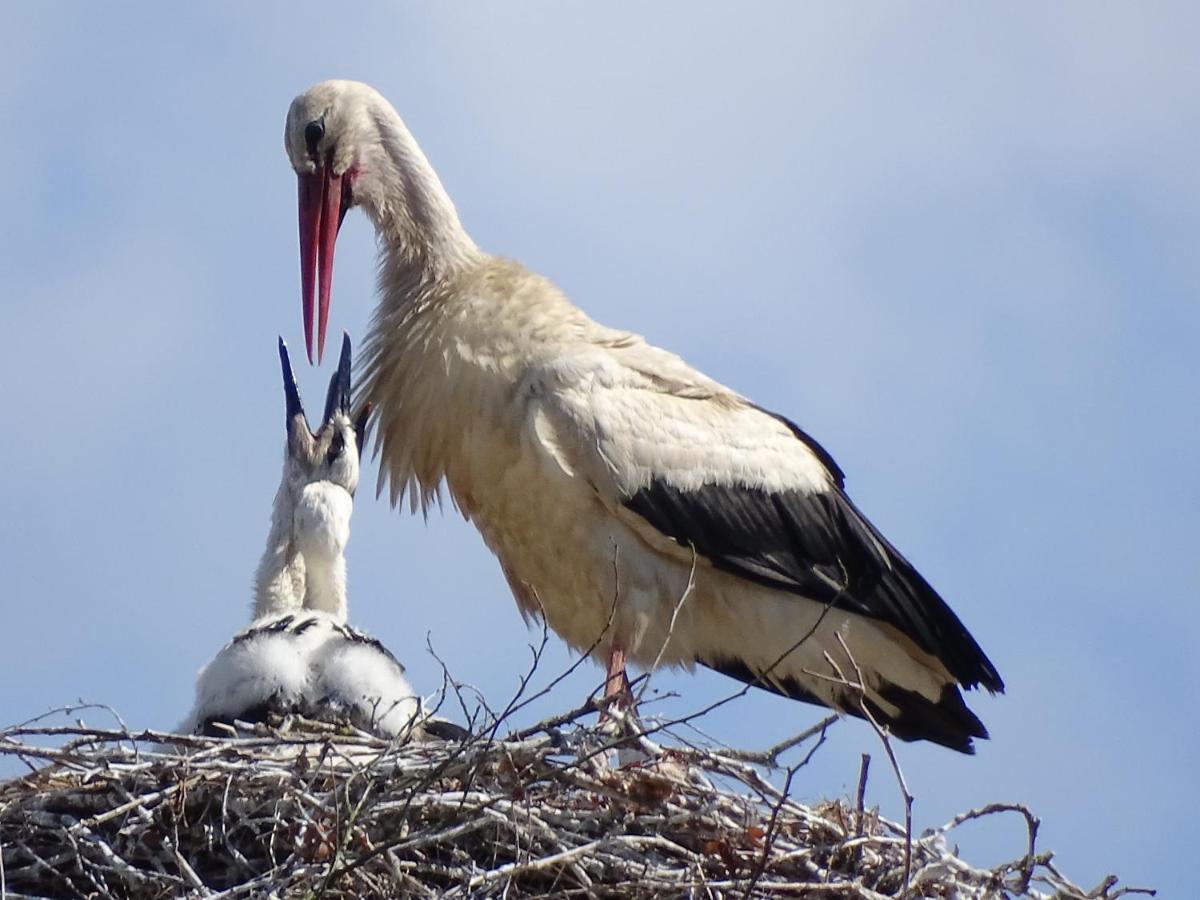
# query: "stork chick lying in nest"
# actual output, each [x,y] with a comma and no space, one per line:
[299,656]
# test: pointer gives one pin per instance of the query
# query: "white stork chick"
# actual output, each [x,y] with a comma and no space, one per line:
[307,663]
[304,564]
[605,473]
[299,656]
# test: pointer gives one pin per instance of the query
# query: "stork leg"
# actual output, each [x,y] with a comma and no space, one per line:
[618,695]
[616,687]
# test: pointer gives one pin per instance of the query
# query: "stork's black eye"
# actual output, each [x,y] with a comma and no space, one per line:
[336,446]
[313,132]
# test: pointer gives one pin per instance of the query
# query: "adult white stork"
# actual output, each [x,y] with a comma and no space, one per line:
[299,655]
[605,473]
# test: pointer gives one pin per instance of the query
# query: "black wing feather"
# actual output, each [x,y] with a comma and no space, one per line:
[947,722]
[819,546]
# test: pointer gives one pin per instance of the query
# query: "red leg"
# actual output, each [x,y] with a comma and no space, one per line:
[616,687]
[618,695]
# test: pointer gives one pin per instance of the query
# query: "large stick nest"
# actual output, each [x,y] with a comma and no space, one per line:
[311,810]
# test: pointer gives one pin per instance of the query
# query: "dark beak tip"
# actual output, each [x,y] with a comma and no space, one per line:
[291,392]
[338,398]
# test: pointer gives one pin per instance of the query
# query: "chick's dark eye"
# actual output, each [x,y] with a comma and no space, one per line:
[336,446]
[313,132]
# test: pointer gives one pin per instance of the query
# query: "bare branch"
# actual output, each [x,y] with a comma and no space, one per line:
[860,796]
[687,592]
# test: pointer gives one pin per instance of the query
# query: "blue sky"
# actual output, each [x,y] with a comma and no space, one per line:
[956,245]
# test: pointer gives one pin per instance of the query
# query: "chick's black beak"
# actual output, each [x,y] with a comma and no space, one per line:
[291,393]
[338,398]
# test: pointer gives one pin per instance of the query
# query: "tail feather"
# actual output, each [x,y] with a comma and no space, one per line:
[908,715]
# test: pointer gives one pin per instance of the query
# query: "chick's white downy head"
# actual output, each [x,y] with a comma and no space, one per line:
[331,454]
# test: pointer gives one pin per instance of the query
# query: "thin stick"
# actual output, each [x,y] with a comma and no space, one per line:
[885,739]
[770,835]
[687,592]
[861,795]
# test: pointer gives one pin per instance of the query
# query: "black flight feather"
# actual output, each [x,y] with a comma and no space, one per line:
[818,546]
[948,722]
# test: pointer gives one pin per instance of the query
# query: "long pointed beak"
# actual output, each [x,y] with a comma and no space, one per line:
[321,214]
[290,392]
[338,397]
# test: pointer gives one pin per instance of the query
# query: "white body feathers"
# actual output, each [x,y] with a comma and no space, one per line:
[311,664]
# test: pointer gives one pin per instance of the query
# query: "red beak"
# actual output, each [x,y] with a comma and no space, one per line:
[321,214]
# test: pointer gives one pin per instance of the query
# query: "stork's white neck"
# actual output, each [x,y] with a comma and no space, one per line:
[279,580]
[322,529]
[414,218]
[325,585]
